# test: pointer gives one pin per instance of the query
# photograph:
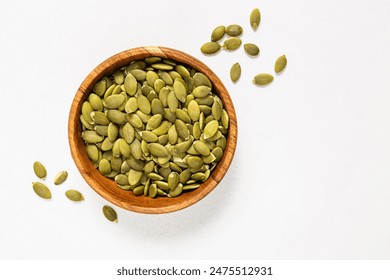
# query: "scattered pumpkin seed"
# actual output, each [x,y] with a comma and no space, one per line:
[218,33]
[39,170]
[210,48]
[255,18]
[232,44]
[280,63]
[233,30]
[110,213]
[263,79]
[235,72]
[41,190]
[60,177]
[251,49]
[74,195]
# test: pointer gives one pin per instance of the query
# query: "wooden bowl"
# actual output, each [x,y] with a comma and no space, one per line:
[106,187]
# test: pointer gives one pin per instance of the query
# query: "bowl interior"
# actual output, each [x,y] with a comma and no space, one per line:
[106,187]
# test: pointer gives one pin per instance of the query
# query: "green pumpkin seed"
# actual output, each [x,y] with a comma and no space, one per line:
[191,187]
[41,190]
[92,152]
[182,130]
[110,213]
[218,33]
[195,162]
[135,120]
[193,110]
[116,116]
[180,90]
[130,84]
[104,166]
[255,18]
[100,87]
[232,44]
[251,49]
[172,101]
[201,148]
[210,129]
[135,148]
[173,180]
[182,115]
[131,105]
[210,48]
[216,111]
[233,30]
[39,170]
[149,136]
[162,66]
[139,190]
[99,118]
[134,177]
[152,190]
[177,191]
[157,150]
[172,135]
[235,72]
[201,79]
[280,64]
[74,195]
[151,78]
[86,110]
[60,177]
[96,102]
[201,91]
[165,77]
[91,137]
[144,104]
[101,129]
[162,128]
[114,101]
[225,119]
[263,79]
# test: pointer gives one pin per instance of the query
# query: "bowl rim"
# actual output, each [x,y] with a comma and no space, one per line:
[106,187]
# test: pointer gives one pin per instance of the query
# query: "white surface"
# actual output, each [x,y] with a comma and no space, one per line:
[310,178]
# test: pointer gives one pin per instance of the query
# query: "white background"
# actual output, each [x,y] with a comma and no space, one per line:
[310,178]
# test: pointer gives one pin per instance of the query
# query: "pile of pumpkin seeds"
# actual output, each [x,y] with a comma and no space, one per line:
[155,126]
[233,42]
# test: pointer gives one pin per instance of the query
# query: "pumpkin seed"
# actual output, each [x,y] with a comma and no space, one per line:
[218,33]
[74,195]
[41,190]
[110,213]
[233,30]
[180,90]
[39,170]
[60,177]
[114,101]
[280,64]
[263,79]
[232,44]
[235,72]
[251,49]
[130,84]
[96,102]
[210,48]
[201,91]
[157,150]
[210,129]
[100,87]
[255,18]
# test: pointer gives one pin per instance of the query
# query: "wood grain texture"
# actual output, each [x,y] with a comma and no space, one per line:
[106,187]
